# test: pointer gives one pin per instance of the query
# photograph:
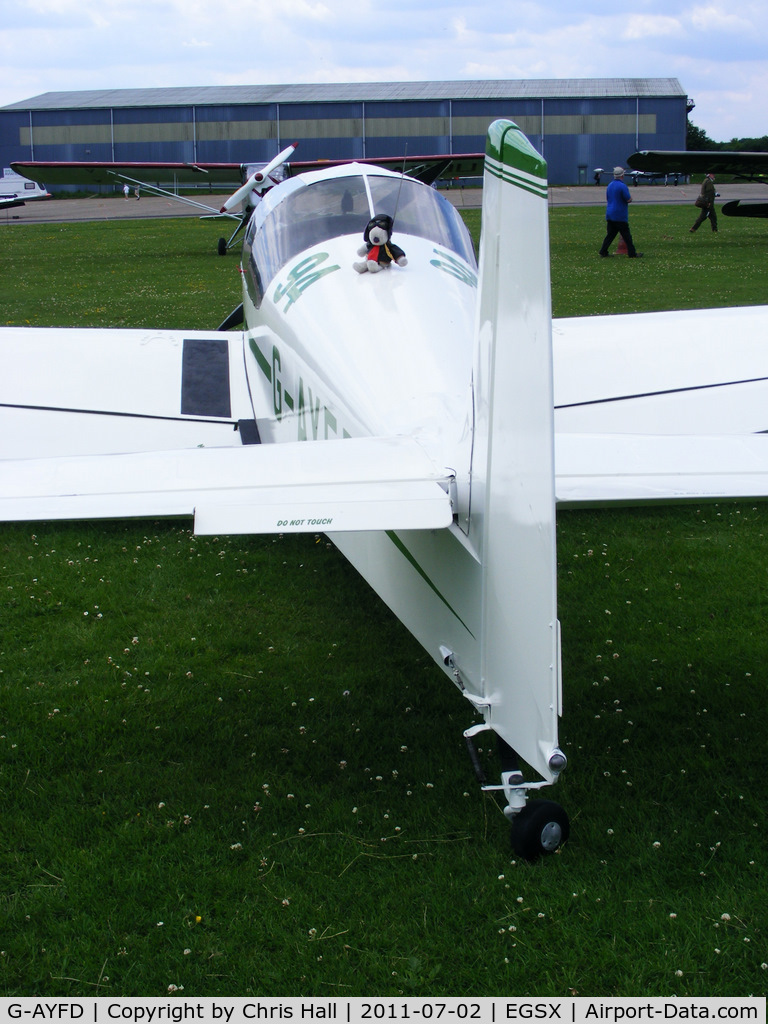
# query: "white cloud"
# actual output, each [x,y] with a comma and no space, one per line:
[716,19]
[642,26]
[716,51]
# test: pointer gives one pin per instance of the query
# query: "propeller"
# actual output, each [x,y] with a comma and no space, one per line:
[258,181]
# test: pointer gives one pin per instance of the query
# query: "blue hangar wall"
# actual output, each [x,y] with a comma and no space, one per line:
[577,124]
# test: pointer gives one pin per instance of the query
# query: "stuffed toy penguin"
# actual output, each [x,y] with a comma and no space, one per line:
[378,250]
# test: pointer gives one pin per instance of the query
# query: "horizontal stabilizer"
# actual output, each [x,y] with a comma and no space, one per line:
[340,485]
[596,469]
[738,209]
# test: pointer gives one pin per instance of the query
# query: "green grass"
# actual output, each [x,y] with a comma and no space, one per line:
[225,767]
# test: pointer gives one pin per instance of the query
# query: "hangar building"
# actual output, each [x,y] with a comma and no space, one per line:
[577,124]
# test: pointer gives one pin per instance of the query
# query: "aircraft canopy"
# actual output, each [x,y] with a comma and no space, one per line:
[329,207]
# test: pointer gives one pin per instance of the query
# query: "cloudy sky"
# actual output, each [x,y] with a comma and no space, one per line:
[717,50]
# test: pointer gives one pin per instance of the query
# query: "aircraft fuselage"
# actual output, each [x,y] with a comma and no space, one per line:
[326,351]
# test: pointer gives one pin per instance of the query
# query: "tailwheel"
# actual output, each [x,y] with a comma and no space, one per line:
[222,247]
[541,827]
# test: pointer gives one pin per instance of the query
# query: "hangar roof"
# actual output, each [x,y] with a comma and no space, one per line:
[541,88]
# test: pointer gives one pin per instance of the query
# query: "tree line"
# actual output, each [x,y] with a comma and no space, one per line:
[697,138]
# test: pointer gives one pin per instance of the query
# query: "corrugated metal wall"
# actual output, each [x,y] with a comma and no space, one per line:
[575,134]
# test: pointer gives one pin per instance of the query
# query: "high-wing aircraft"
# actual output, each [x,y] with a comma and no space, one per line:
[408,413]
[252,180]
[749,166]
[16,190]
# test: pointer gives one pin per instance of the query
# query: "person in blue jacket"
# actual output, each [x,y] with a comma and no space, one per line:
[617,214]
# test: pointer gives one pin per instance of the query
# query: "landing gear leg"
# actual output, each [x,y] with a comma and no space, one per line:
[539,827]
[225,244]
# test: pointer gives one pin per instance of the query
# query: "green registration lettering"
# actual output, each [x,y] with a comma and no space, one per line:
[301,277]
[450,265]
[277,390]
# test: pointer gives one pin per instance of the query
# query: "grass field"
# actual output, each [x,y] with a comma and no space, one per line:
[227,770]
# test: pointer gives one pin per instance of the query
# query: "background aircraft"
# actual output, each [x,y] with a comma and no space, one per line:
[636,177]
[651,177]
[16,190]
[412,414]
[250,180]
[749,166]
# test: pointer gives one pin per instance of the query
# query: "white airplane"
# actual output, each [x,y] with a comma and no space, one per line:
[409,414]
[16,190]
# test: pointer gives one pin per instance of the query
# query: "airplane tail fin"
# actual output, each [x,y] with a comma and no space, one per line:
[512,499]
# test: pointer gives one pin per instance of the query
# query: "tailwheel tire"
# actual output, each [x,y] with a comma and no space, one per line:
[540,828]
[222,247]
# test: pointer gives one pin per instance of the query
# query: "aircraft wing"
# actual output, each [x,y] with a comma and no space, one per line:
[228,177]
[155,178]
[106,423]
[121,423]
[101,172]
[666,406]
[425,168]
[682,161]
[640,469]
[72,391]
[699,371]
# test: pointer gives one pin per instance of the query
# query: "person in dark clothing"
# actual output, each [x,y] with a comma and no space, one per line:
[618,198]
[706,202]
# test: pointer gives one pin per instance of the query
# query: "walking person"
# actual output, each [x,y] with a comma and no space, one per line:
[618,198]
[706,203]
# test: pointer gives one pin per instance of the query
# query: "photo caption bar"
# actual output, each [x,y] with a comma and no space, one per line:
[177,1009]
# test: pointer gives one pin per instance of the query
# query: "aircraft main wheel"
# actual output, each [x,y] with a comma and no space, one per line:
[541,827]
[222,247]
